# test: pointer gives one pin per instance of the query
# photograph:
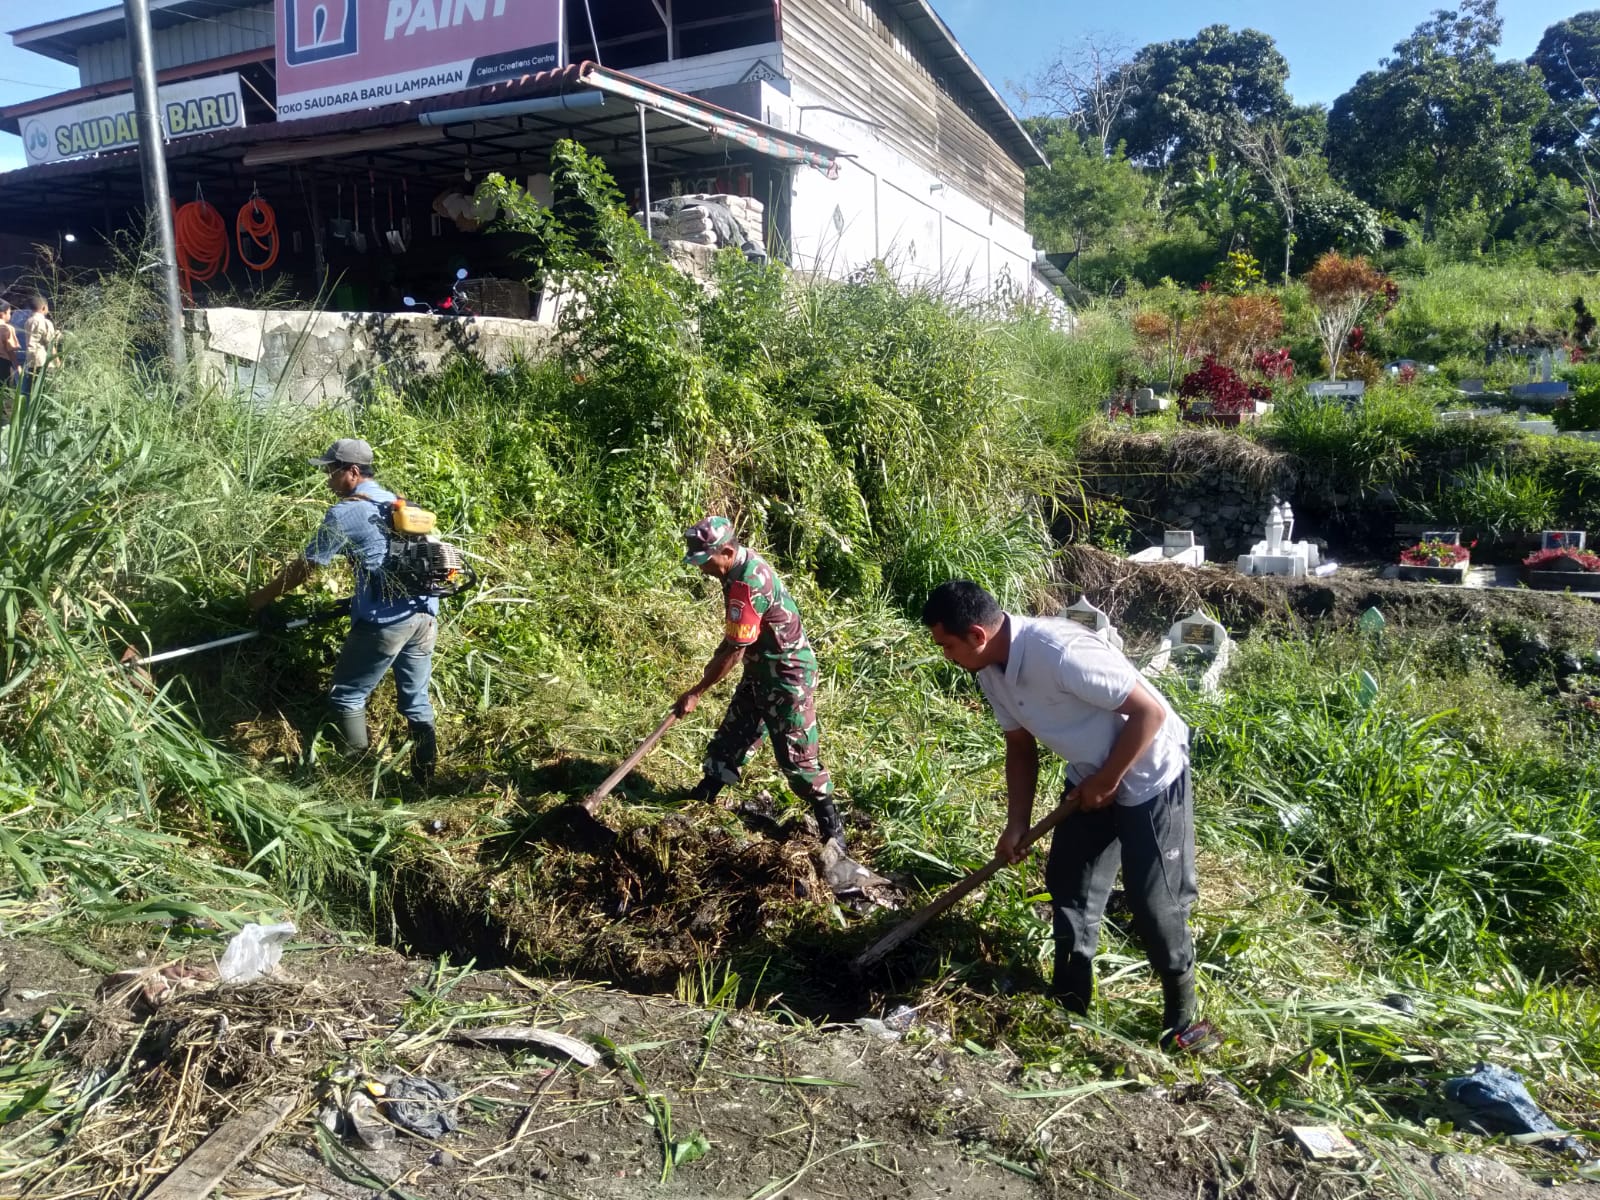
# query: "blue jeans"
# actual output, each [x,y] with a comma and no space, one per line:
[370,650]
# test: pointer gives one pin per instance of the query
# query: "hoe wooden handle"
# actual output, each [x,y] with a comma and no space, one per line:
[921,918]
[593,799]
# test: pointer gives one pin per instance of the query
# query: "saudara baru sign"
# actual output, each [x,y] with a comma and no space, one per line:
[188,107]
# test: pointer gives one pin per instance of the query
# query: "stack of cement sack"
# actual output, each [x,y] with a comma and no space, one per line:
[693,228]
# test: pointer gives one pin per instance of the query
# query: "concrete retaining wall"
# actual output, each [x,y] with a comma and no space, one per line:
[309,357]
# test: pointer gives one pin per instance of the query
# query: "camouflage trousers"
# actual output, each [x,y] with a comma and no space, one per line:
[779,701]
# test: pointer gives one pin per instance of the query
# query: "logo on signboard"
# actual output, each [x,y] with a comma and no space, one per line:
[315,30]
[37,139]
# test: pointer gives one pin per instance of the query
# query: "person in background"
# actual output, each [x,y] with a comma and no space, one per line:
[41,340]
[10,362]
[1053,681]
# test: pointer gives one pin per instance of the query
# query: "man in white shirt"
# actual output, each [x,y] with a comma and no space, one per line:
[1055,682]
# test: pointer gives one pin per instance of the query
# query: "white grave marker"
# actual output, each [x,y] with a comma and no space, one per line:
[1562,539]
[1084,612]
[1197,642]
[1177,546]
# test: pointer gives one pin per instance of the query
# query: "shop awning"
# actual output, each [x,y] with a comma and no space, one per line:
[497,127]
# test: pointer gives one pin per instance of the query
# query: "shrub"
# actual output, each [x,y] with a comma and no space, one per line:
[1341,289]
[1435,554]
[1497,502]
[1582,411]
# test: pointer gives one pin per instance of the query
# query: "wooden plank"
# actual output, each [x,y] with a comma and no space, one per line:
[202,1171]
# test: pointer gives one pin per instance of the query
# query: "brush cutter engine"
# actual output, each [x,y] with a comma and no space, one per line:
[426,566]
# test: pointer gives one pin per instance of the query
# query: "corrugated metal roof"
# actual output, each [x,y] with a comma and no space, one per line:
[584,76]
[62,39]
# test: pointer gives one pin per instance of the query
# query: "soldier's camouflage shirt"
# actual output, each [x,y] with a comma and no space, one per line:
[763,616]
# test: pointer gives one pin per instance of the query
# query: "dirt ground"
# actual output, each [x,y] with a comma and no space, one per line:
[778,1108]
[1148,598]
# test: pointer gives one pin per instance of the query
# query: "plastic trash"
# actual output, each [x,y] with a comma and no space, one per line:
[422,1106]
[1494,1100]
[254,951]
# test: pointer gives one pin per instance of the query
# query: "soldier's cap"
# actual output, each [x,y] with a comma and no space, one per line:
[704,538]
[347,452]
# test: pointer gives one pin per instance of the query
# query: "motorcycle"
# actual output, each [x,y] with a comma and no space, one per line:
[453,305]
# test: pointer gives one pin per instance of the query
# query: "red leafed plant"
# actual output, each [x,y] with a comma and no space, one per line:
[1435,554]
[1275,364]
[1223,386]
[1542,560]
[1408,375]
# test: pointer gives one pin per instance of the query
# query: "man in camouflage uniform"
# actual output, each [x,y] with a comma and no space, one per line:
[777,694]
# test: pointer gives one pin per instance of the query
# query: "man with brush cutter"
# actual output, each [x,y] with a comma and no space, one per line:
[391,626]
[777,694]
[1128,796]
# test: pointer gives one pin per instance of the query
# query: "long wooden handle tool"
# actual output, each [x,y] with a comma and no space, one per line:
[921,918]
[591,802]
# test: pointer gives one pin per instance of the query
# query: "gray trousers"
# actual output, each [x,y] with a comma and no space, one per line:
[1153,842]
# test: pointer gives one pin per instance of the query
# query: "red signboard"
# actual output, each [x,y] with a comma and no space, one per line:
[335,55]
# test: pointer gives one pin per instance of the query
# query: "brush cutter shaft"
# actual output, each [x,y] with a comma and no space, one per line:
[593,799]
[923,916]
[332,613]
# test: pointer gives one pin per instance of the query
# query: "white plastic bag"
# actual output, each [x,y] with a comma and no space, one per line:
[254,952]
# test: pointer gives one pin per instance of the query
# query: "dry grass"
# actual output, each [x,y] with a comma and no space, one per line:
[1186,453]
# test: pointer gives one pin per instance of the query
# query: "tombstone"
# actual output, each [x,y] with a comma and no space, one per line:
[1470,387]
[1198,648]
[1177,547]
[1449,537]
[1145,400]
[1278,553]
[1563,539]
[1084,612]
[1340,389]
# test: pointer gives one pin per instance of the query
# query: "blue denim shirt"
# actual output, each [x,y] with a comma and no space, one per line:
[355,528]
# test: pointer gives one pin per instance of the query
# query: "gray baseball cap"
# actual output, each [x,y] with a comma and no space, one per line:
[350,451]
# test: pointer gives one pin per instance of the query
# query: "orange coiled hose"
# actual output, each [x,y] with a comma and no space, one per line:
[260,223]
[202,238]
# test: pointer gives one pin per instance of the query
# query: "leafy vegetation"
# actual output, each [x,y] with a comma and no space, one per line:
[1179,152]
[1439,839]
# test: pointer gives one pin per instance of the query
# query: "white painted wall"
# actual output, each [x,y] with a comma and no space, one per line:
[884,207]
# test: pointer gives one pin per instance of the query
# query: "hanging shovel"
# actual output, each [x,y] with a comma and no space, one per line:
[339,228]
[591,802]
[392,235]
[358,240]
[405,213]
[372,207]
[923,916]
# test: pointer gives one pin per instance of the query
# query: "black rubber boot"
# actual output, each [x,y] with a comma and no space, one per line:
[1072,985]
[707,790]
[829,827]
[1177,1001]
[352,727]
[424,751]
[1181,1031]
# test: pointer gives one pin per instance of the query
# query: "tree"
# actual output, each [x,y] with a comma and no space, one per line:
[1264,148]
[1084,197]
[1441,125]
[1223,202]
[1568,60]
[1089,89]
[1189,94]
[1341,289]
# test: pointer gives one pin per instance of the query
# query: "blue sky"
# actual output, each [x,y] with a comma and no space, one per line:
[1327,44]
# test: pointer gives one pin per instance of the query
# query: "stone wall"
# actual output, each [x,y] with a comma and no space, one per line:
[1217,484]
[309,357]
